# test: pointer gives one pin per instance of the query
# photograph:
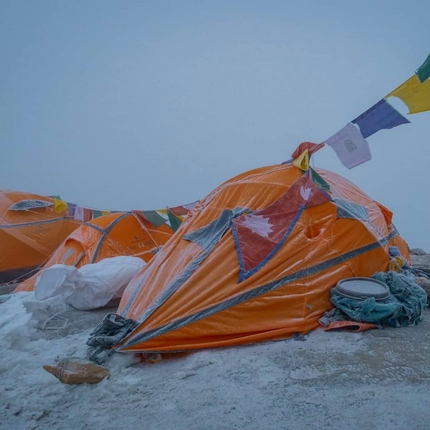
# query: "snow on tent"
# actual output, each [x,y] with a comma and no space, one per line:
[31,228]
[116,234]
[255,261]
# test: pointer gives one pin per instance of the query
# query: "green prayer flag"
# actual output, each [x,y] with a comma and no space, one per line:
[154,218]
[175,222]
[97,214]
[424,71]
[319,180]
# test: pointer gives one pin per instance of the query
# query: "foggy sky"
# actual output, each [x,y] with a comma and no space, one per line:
[123,105]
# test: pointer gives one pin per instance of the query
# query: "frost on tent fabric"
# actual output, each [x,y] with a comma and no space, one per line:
[90,287]
[190,296]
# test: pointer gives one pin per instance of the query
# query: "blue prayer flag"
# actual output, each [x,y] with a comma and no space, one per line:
[380,116]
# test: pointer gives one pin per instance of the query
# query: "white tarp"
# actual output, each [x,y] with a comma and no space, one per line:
[90,287]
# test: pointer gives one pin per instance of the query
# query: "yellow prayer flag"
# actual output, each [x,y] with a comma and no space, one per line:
[60,205]
[302,161]
[415,94]
[105,213]
[396,264]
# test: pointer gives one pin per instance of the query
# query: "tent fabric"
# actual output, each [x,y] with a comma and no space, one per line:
[91,286]
[335,319]
[259,235]
[311,147]
[116,234]
[31,228]
[191,296]
[404,306]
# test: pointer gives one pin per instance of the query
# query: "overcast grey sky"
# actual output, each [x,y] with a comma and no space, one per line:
[146,104]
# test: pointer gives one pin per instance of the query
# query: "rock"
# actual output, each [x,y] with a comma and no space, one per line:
[418,251]
[77,371]
[424,283]
[7,288]
[150,357]
[421,262]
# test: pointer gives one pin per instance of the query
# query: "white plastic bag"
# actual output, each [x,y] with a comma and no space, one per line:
[90,287]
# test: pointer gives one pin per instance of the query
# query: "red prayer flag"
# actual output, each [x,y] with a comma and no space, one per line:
[259,235]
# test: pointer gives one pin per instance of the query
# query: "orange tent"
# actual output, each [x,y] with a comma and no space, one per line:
[121,233]
[31,228]
[255,260]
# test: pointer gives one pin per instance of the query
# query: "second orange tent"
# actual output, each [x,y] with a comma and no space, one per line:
[122,233]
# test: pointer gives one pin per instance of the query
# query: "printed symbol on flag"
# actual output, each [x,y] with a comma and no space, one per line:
[350,145]
[258,224]
[258,236]
[305,193]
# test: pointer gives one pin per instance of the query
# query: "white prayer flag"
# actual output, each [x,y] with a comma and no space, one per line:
[350,146]
[79,214]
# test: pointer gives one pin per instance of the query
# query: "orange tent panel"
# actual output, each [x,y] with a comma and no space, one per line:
[214,285]
[121,233]
[30,230]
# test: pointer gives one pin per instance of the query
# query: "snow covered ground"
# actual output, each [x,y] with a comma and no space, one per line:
[326,380]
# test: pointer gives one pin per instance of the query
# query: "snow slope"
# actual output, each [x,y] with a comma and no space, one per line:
[326,380]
